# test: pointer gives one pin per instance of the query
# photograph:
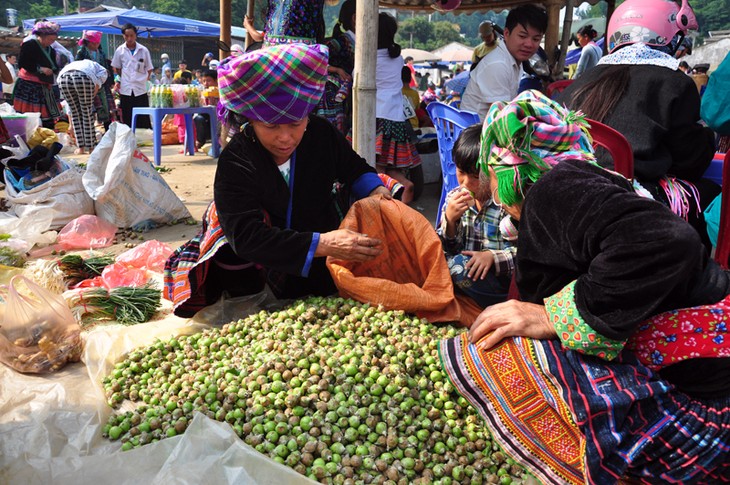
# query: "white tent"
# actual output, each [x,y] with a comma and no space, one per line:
[712,54]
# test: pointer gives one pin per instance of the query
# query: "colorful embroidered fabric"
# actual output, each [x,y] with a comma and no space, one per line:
[573,331]
[679,335]
[393,145]
[294,21]
[187,267]
[521,407]
[574,418]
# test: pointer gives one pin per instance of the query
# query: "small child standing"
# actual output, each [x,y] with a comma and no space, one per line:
[476,234]
[179,120]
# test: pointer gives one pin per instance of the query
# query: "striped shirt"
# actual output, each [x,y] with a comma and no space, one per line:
[479,231]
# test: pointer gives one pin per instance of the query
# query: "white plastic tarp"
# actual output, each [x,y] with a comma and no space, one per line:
[50,427]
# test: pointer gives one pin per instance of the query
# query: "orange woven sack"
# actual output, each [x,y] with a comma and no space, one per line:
[410,274]
[169,132]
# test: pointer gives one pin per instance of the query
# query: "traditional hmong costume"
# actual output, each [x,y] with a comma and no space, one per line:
[294,21]
[34,90]
[336,102]
[266,222]
[637,384]
[394,146]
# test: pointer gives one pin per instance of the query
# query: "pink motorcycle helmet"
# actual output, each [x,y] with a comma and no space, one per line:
[653,22]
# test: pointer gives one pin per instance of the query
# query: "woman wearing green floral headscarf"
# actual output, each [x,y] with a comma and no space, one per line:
[620,334]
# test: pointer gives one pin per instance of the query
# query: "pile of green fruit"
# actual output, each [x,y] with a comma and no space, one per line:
[339,391]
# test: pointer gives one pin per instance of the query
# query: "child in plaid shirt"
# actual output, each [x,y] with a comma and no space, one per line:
[479,255]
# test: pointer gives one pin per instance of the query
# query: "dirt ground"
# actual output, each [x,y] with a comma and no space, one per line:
[191,177]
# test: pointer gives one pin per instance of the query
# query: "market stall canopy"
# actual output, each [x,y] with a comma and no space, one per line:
[420,56]
[598,23]
[457,55]
[149,24]
[712,54]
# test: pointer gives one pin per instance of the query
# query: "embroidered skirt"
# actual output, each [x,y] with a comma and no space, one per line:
[33,97]
[335,103]
[572,418]
[393,145]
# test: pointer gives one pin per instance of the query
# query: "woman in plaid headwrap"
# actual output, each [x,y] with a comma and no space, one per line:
[615,364]
[37,61]
[275,215]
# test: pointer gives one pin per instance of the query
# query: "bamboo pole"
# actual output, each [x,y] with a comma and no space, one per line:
[366,42]
[610,8]
[559,67]
[249,14]
[551,36]
[225,35]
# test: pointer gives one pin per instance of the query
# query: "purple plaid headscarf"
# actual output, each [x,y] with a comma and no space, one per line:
[279,84]
[46,27]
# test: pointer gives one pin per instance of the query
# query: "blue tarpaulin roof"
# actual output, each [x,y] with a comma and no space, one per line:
[149,24]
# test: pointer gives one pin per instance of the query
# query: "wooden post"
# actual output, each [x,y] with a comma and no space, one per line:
[249,14]
[559,67]
[225,35]
[366,40]
[551,36]
[610,8]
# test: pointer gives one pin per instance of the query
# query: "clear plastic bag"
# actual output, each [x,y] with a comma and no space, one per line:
[39,333]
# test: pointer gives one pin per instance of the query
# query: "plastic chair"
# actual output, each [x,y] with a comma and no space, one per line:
[616,144]
[449,122]
[556,87]
[722,251]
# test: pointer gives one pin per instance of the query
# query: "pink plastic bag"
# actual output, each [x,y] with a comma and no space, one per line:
[150,255]
[118,274]
[86,232]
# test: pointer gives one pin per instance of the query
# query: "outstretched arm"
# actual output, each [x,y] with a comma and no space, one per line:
[255,34]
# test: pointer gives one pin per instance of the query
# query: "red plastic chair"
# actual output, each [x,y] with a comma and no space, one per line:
[722,250]
[556,87]
[616,144]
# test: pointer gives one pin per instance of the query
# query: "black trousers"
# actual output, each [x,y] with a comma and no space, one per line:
[202,128]
[131,101]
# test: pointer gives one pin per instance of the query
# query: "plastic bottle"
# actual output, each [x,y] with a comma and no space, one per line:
[168,96]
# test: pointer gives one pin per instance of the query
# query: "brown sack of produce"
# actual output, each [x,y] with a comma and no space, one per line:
[411,273]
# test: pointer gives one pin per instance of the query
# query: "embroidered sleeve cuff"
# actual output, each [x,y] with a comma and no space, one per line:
[365,184]
[573,331]
[310,254]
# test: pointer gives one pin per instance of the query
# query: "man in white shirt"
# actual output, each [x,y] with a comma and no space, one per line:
[497,76]
[133,63]
[10,61]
